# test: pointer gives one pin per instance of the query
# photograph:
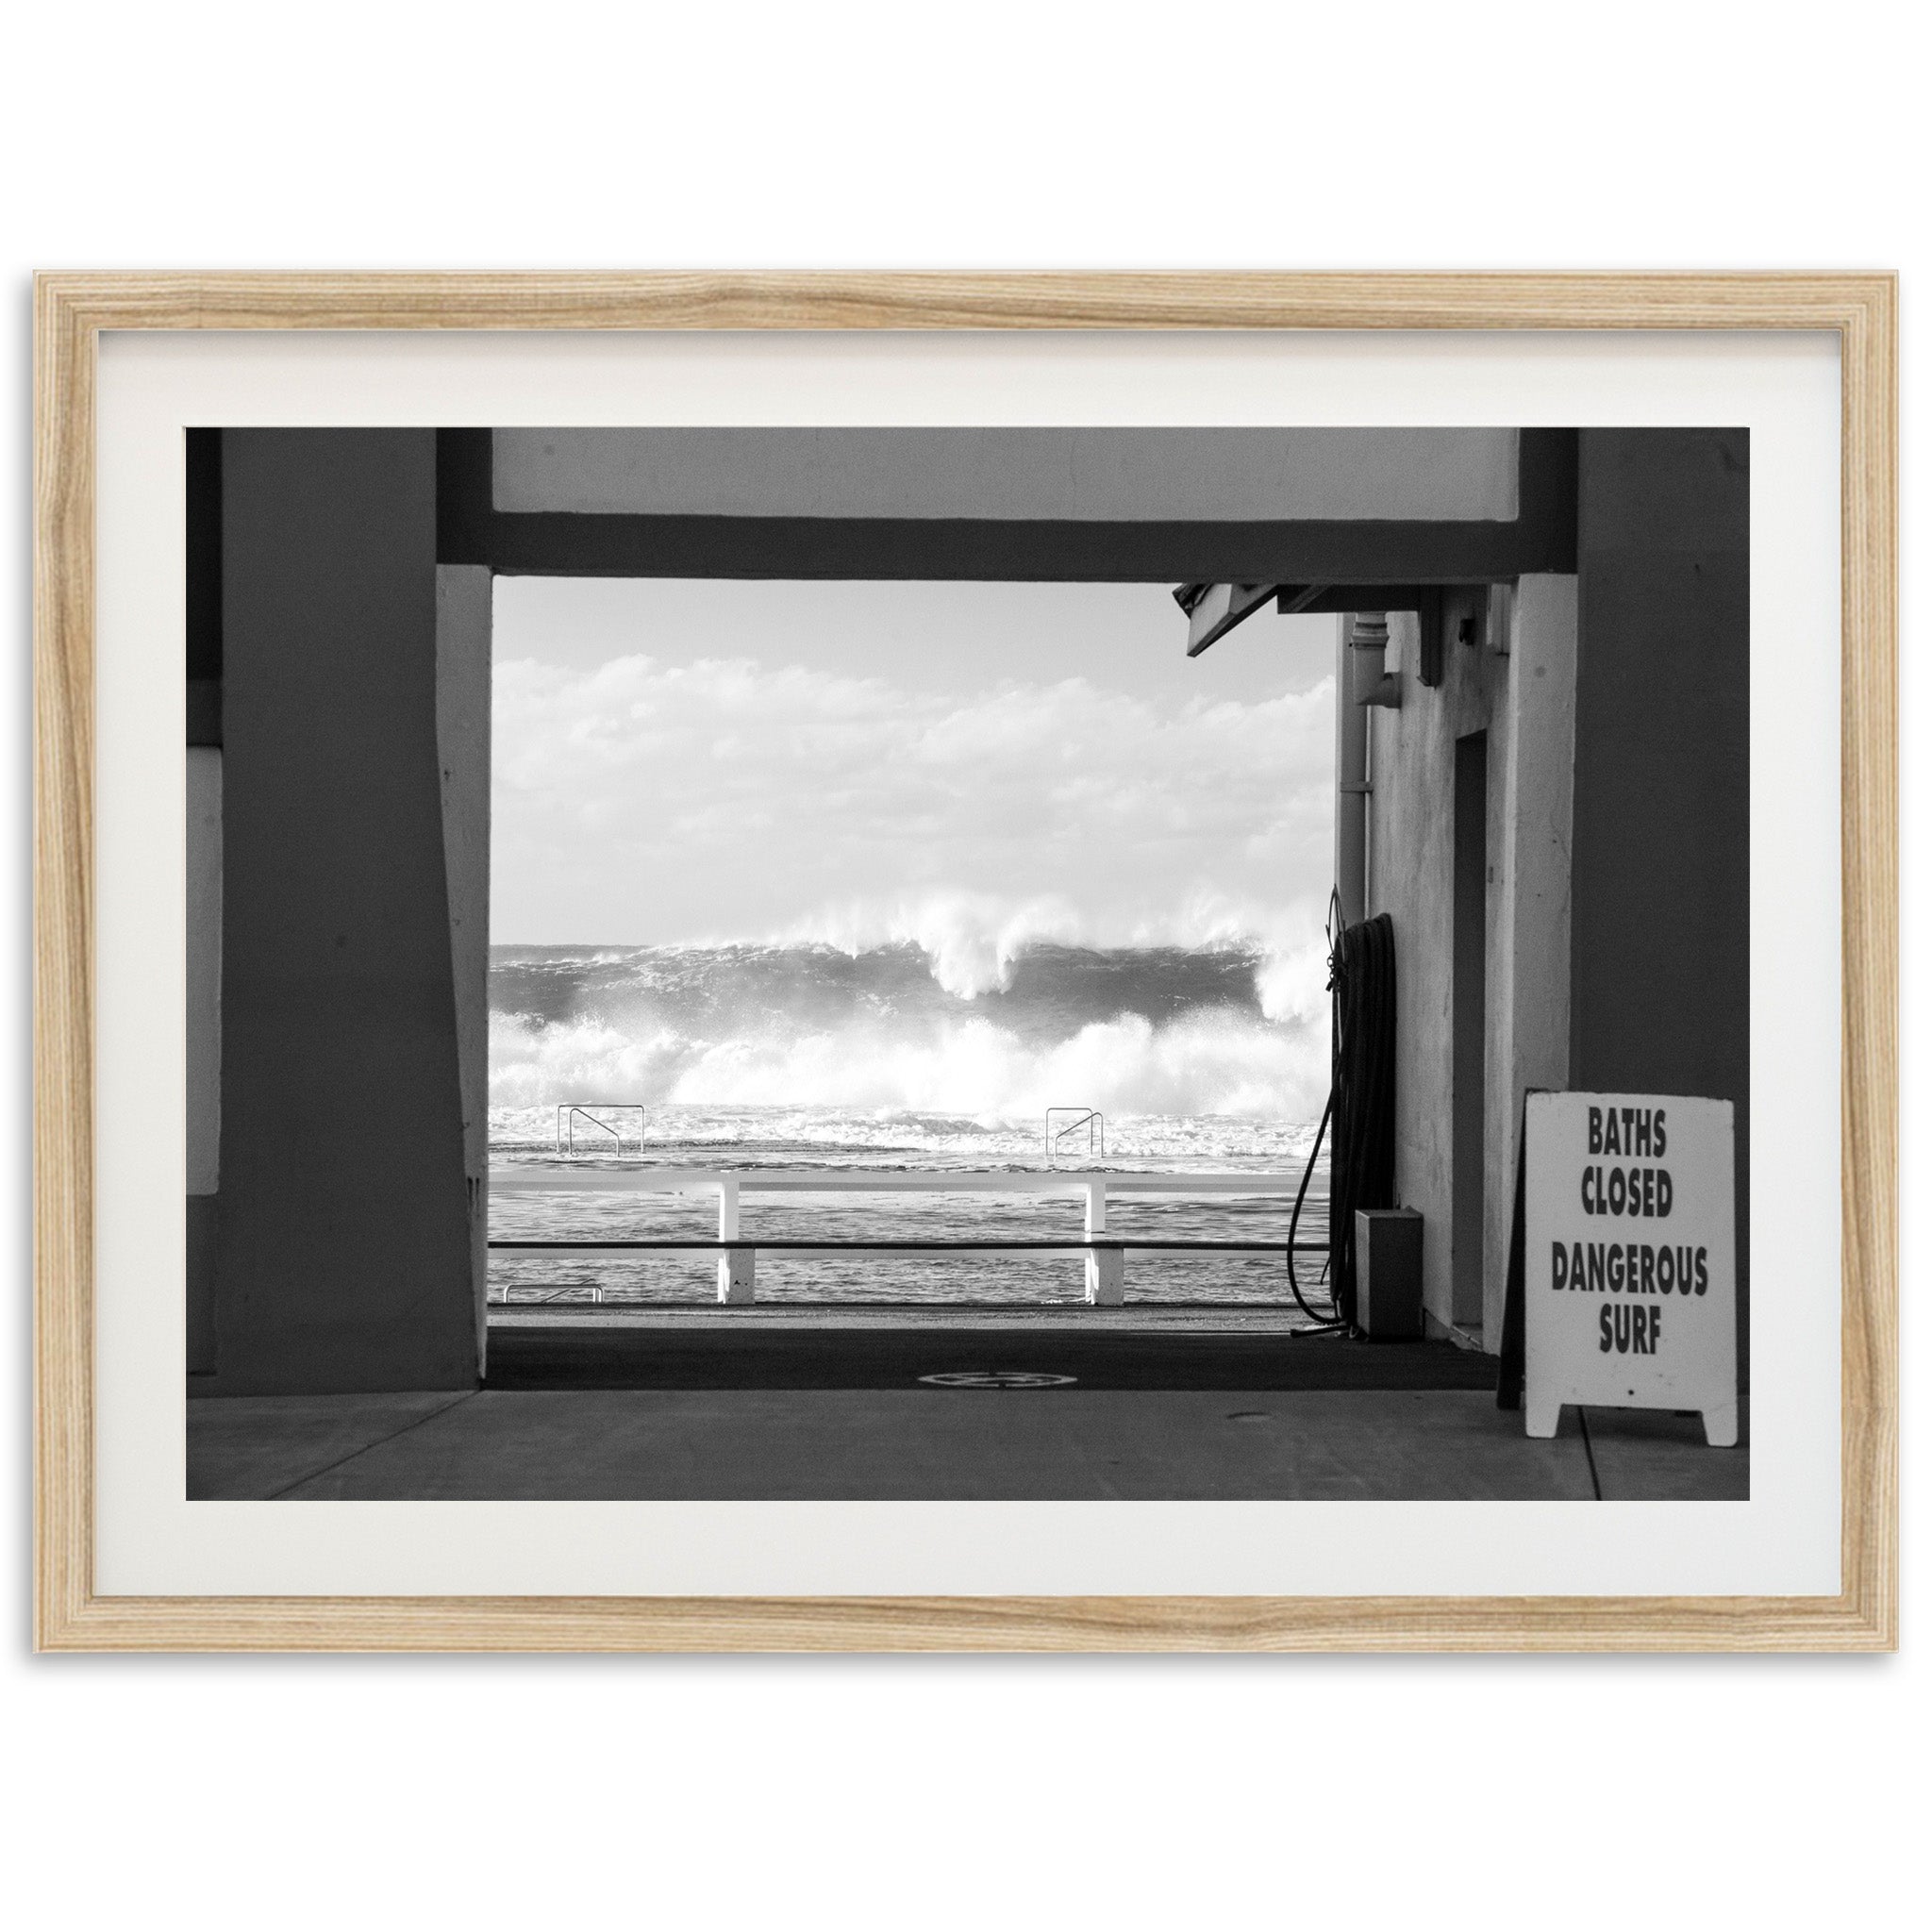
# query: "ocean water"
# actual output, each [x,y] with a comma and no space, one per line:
[748,1056]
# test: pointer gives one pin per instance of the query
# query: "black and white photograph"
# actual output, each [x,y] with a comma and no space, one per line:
[966,967]
[968,964]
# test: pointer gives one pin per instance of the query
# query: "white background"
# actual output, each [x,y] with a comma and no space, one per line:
[741,1791]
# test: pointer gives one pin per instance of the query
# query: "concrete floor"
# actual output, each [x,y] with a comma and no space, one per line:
[933,1444]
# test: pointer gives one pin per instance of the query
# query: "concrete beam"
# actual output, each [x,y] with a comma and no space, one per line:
[1159,474]
[1035,506]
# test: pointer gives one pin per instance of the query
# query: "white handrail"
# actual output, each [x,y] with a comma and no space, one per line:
[737,1269]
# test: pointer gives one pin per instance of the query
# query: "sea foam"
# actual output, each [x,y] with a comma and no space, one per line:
[1157,1031]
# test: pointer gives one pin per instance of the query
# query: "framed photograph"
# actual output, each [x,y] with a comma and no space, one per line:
[966,962]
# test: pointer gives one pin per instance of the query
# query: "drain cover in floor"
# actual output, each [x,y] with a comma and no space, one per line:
[997,1378]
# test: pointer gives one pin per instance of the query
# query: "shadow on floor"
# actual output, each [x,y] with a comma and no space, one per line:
[560,1357]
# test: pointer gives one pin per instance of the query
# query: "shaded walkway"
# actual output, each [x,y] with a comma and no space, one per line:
[636,1415]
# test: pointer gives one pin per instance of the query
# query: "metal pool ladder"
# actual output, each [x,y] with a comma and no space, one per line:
[569,1112]
[1089,1117]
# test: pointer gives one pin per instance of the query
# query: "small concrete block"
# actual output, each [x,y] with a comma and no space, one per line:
[1389,1274]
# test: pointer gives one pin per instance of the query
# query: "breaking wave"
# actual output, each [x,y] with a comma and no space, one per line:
[900,1031]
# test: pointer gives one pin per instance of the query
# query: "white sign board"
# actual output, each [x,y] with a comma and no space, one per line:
[1630,1274]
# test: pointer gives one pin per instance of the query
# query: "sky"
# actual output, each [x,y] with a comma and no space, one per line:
[968,765]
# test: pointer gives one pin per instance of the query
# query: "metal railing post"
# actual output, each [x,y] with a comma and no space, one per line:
[737,1269]
[1107,1285]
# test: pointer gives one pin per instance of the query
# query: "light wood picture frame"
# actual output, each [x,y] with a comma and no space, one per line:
[72,310]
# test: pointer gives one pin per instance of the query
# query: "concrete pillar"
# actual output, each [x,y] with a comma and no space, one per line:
[463,738]
[1663,764]
[345,1241]
[1107,1285]
[736,1278]
[1661,958]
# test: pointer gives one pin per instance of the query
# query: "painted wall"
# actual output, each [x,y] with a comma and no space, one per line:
[345,1241]
[1531,787]
[1181,475]
[1520,700]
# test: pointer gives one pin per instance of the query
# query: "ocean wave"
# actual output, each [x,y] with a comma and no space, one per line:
[828,1046]
[1046,991]
[972,942]
[1208,1063]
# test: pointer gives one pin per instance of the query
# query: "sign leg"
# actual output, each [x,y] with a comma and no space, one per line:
[1541,1415]
[1721,1425]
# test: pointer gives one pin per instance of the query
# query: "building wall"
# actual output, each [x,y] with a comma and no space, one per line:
[204,1045]
[1531,790]
[462,740]
[1617,954]
[345,1259]
[204,1035]
[1522,699]
[202,453]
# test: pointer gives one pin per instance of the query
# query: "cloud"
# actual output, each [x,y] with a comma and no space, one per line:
[732,797]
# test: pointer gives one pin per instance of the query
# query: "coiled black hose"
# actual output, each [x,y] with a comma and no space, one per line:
[1322,1318]
[1361,978]
[1361,1103]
